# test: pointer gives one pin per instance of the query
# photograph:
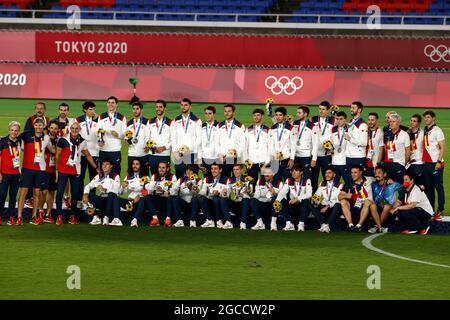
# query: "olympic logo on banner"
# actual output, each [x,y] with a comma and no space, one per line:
[283,85]
[437,54]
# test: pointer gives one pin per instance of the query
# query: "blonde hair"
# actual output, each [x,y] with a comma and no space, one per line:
[13,123]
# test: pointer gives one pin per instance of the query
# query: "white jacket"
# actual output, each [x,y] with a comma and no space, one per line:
[257,144]
[112,122]
[231,136]
[186,132]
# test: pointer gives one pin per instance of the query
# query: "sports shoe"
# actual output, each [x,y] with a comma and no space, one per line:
[259,225]
[73,219]
[301,227]
[179,224]
[273,226]
[219,224]
[116,223]
[383,230]
[424,232]
[79,204]
[134,223]
[41,214]
[193,224]
[326,228]
[67,202]
[154,222]
[11,221]
[35,221]
[227,225]
[105,221]
[409,231]
[289,226]
[242,226]
[374,229]
[437,216]
[19,222]
[95,221]
[59,220]
[350,227]
[49,219]
[356,228]
[168,222]
[208,224]
[29,203]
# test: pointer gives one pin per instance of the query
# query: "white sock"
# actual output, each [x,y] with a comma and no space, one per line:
[274,219]
[301,223]
[259,221]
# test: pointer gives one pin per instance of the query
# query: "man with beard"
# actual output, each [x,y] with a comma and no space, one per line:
[374,144]
[305,147]
[138,127]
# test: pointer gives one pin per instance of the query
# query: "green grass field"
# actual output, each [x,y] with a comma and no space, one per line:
[161,263]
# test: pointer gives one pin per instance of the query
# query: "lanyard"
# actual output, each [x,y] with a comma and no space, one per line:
[299,187]
[231,129]
[381,191]
[185,125]
[139,127]
[159,130]
[74,148]
[331,191]
[371,137]
[361,192]
[352,123]
[392,138]
[340,138]
[115,118]
[106,176]
[37,146]
[215,182]
[280,134]
[416,136]
[300,133]
[208,134]
[324,127]
[88,125]
[259,133]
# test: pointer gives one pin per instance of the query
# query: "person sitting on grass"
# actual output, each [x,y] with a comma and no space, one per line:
[133,183]
[414,210]
[211,192]
[384,198]
[327,201]
[189,197]
[356,199]
[266,190]
[161,194]
[107,184]
[300,192]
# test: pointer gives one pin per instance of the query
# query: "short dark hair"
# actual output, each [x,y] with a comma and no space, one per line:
[238,165]
[112,97]
[305,109]
[192,167]
[107,159]
[429,113]
[229,105]
[88,104]
[341,114]
[281,110]
[137,103]
[53,122]
[217,164]
[165,162]
[382,168]
[330,169]
[63,104]
[162,102]
[357,166]
[325,103]
[211,108]
[186,100]
[417,116]
[297,167]
[373,114]
[358,104]
[40,102]
[257,110]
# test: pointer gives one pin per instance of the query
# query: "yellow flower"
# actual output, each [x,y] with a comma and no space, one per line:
[168,184]
[129,134]
[327,145]
[248,179]
[239,184]
[334,108]
[90,211]
[129,206]
[277,206]
[204,170]
[248,164]
[150,144]
[144,180]
[232,153]
[193,177]
[315,199]
[184,149]
[101,131]
[269,100]
[279,155]
[289,118]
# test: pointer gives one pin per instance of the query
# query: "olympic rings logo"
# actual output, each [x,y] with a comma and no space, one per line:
[283,85]
[437,54]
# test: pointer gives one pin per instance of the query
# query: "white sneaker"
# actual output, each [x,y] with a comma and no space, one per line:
[219,224]
[301,226]
[383,230]
[116,223]
[193,224]
[273,226]
[134,223]
[326,228]
[105,221]
[289,226]
[95,221]
[322,226]
[79,204]
[243,226]
[208,224]
[259,226]
[227,225]
[179,224]
[374,229]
